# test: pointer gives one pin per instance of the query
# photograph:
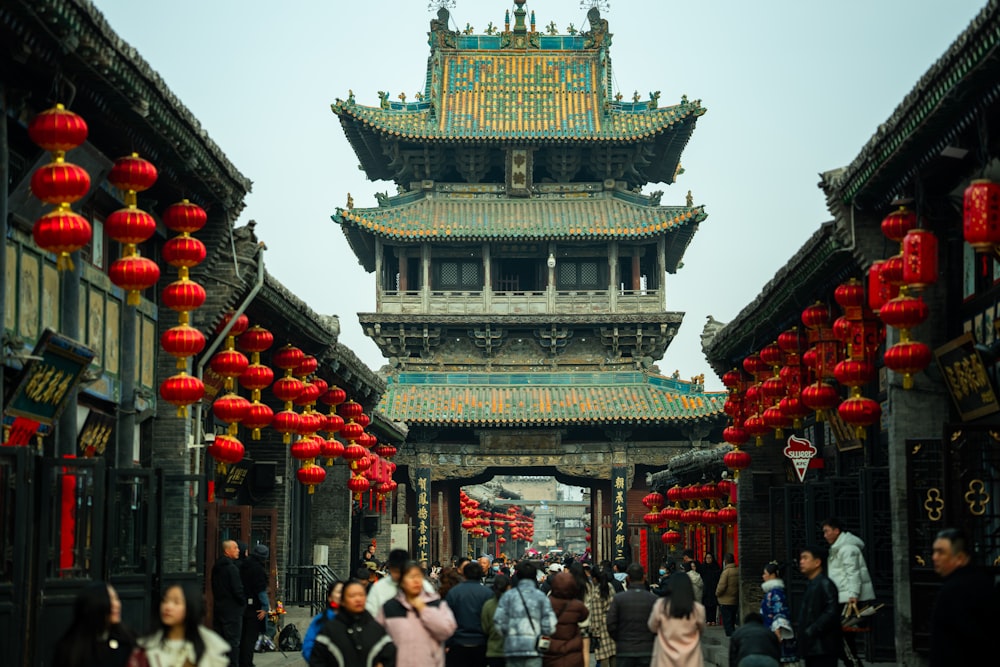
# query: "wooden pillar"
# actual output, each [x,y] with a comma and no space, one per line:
[636,277]
[403,281]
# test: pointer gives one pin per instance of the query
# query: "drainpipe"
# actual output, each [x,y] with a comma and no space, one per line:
[4,180]
[207,356]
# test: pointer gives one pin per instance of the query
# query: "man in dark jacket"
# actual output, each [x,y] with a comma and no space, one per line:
[818,632]
[628,620]
[253,575]
[965,611]
[228,600]
[753,645]
[467,647]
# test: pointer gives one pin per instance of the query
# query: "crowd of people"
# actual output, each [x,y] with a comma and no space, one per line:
[537,613]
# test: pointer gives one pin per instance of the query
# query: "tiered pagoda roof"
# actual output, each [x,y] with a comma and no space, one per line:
[524,89]
[461,216]
[546,399]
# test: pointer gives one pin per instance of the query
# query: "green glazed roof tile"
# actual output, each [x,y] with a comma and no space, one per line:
[585,398]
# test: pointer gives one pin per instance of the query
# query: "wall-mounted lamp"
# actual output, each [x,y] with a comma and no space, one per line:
[551,261]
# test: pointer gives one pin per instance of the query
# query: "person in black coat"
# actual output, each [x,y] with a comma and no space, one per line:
[818,633]
[253,575]
[228,599]
[753,645]
[966,608]
[710,572]
[95,635]
[353,638]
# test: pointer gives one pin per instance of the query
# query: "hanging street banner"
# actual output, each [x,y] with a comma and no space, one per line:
[801,452]
[619,518]
[422,478]
[53,370]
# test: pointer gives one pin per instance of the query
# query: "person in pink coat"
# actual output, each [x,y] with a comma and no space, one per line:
[678,621]
[417,621]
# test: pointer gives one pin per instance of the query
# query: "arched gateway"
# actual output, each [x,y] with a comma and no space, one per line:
[520,272]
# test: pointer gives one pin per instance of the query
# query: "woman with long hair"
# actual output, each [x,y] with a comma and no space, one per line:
[353,638]
[333,593]
[95,637]
[494,640]
[598,600]
[570,647]
[774,608]
[417,621]
[181,640]
[710,572]
[678,622]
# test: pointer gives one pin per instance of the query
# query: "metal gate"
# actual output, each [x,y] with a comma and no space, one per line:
[16,512]
[69,545]
[132,533]
[862,503]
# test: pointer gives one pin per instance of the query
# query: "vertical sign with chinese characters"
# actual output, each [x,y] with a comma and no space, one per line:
[619,514]
[422,478]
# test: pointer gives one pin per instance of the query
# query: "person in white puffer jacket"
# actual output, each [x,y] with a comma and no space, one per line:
[849,573]
[847,568]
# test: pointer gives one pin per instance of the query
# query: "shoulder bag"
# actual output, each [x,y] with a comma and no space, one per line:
[543,642]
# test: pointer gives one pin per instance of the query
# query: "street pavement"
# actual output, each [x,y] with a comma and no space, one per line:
[715,645]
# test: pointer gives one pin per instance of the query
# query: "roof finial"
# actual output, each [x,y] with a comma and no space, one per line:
[440,4]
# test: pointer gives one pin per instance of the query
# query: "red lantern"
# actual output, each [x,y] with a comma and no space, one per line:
[754,365]
[903,313]
[258,416]
[184,252]
[229,364]
[239,326]
[305,449]
[256,377]
[310,422]
[226,449]
[182,341]
[794,409]
[184,217]
[710,516]
[307,366]
[287,358]
[880,290]
[728,515]
[331,449]
[57,130]
[310,475]
[860,412]
[62,232]
[732,379]
[908,358]
[333,396]
[60,182]
[981,215]
[231,408]
[350,410]
[653,500]
[286,423]
[853,373]
[776,421]
[816,316]
[351,431]
[388,451]
[134,274]
[358,485]
[334,423]
[791,341]
[255,340]
[183,296]
[675,493]
[354,452]
[308,396]
[735,435]
[182,390]
[920,259]
[757,427]
[898,223]
[672,537]
[287,389]
[725,488]
[736,460]
[132,174]
[820,397]
[772,355]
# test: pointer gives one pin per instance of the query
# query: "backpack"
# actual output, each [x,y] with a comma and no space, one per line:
[289,639]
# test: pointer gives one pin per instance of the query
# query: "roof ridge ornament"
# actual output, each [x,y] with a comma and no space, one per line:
[435,5]
[599,5]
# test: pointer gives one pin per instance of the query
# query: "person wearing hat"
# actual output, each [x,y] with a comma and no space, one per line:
[254,577]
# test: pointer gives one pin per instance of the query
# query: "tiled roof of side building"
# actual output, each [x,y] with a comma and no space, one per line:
[443,217]
[538,399]
[529,113]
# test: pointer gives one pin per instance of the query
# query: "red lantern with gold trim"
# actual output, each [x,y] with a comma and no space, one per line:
[736,460]
[182,341]
[920,259]
[907,358]
[57,130]
[860,412]
[310,475]
[182,390]
[60,182]
[820,397]
[897,224]
[672,537]
[259,416]
[226,449]
[184,252]
[184,217]
[62,232]
[981,215]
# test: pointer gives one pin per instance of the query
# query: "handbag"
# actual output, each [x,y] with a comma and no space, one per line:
[542,642]
[852,616]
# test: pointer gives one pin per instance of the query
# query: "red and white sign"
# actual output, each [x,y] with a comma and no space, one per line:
[801,452]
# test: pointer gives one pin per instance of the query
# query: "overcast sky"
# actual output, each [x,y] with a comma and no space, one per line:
[793,88]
